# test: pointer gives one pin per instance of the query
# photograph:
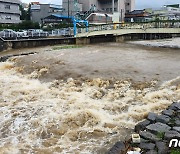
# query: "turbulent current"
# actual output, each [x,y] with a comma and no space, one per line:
[73,116]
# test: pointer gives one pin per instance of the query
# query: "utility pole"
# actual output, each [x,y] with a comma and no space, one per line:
[112,6]
[121,15]
[118,8]
[68,8]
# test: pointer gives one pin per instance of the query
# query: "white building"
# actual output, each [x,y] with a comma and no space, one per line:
[9,11]
[168,12]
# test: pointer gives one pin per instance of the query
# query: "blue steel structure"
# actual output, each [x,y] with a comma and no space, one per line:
[74,20]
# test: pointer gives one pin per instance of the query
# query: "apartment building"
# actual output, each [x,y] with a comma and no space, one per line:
[9,11]
[40,11]
[71,7]
[109,6]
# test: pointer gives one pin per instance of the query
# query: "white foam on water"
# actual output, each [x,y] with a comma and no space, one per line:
[63,117]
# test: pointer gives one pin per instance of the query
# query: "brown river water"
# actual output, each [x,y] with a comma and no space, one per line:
[82,100]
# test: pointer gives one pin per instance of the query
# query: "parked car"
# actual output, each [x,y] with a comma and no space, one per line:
[62,32]
[8,34]
[37,33]
[22,34]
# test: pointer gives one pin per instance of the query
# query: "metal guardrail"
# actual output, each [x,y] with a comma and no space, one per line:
[69,31]
[130,26]
[61,32]
[29,35]
[10,35]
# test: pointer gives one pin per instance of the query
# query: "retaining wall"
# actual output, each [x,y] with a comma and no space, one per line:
[30,43]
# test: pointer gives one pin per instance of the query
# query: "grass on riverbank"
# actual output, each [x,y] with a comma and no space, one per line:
[67,47]
[175,151]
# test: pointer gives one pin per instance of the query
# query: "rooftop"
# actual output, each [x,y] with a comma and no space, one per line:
[11,1]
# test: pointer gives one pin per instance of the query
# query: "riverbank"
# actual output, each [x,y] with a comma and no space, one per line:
[154,134]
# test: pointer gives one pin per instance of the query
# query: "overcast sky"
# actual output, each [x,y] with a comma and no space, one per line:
[140,4]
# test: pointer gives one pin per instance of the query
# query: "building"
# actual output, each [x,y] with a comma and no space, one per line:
[40,11]
[100,18]
[9,12]
[167,12]
[71,7]
[138,16]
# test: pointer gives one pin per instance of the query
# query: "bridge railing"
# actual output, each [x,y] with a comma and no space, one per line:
[131,26]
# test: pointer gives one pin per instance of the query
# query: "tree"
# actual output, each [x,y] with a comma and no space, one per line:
[28,16]
[28,25]
[25,14]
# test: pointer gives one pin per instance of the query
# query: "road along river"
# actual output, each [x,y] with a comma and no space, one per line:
[82,100]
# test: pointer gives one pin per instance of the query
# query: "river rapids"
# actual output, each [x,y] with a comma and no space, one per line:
[73,116]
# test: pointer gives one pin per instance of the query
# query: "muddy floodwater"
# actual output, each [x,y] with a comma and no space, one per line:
[82,100]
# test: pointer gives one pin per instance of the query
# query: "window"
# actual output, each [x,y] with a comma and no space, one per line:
[7,7]
[100,18]
[8,17]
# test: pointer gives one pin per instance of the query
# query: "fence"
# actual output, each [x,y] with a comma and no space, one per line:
[69,31]
[130,26]
[61,32]
[9,34]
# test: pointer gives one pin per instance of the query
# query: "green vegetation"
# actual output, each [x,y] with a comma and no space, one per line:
[23,25]
[25,15]
[160,135]
[172,121]
[175,151]
[28,25]
[66,47]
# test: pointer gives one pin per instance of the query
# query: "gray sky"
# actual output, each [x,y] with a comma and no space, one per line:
[140,4]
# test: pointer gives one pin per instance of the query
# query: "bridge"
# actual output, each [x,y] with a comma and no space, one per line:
[146,29]
[103,33]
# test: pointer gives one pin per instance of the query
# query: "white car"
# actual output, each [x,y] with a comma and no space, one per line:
[22,33]
[8,34]
[37,33]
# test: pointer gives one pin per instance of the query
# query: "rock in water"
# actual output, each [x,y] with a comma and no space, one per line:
[118,148]
[158,128]
[152,116]
[147,146]
[163,119]
[149,136]
[142,125]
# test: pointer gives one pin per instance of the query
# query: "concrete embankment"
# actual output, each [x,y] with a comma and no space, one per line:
[29,43]
[156,133]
